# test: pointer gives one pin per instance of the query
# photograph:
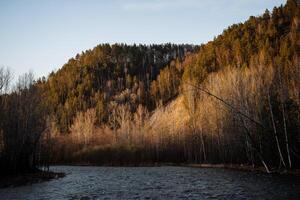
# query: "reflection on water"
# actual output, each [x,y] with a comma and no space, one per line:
[157,183]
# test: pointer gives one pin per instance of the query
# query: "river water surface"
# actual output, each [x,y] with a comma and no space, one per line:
[157,183]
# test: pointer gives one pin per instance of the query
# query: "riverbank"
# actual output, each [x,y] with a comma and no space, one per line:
[249,168]
[28,178]
[238,167]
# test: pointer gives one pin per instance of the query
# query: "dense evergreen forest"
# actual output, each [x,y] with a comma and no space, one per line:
[234,100]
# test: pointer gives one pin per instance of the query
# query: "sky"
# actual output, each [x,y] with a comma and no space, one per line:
[42,35]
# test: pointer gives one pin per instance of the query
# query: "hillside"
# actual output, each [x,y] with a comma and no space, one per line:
[253,67]
[234,100]
[110,74]
[173,116]
[242,93]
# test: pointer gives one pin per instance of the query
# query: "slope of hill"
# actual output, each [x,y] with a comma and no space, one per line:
[242,93]
[171,116]
[238,103]
[109,73]
[235,100]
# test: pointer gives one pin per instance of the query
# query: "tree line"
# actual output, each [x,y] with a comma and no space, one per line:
[22,123]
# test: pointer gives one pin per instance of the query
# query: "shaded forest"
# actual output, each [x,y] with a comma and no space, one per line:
[234,100]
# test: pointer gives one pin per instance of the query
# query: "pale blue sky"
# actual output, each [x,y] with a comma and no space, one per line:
[41,35]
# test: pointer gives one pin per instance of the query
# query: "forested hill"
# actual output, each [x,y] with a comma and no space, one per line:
[110,73]
[122,73]
[233,100]
[269,39]
[242,92]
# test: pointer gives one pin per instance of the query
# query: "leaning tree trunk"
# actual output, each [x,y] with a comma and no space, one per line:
[275,132]
[254,146]
[241,115]
[286,136]
[284,122]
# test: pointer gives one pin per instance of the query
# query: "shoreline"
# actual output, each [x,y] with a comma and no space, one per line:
[247,168]
[28,178]
[237,167]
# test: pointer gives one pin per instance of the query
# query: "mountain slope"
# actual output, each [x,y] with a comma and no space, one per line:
[253,69]
[108,73]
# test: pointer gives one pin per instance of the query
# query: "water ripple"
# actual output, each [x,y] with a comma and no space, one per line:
[87,183]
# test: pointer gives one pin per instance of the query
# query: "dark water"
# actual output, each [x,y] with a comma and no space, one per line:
[157,183]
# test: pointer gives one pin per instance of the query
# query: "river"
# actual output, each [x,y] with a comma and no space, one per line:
[157,183]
